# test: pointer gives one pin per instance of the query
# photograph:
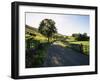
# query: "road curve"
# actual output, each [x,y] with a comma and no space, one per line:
[60,56]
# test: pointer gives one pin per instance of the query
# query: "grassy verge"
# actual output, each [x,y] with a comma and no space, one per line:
[85,46]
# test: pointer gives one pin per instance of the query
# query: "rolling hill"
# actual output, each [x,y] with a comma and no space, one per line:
[32,32]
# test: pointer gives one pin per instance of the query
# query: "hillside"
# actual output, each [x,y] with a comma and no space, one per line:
[29,29]
[32,32]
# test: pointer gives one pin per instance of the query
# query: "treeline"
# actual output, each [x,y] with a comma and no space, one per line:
[81,37]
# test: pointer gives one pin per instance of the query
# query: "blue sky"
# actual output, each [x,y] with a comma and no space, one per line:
[66,24]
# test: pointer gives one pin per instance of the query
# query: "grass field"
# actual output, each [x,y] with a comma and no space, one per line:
[70,39]
[80,42]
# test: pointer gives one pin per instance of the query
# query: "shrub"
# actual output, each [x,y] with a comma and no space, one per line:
[81,37]
[35,57]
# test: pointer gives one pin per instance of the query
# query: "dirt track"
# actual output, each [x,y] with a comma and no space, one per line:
[60,56]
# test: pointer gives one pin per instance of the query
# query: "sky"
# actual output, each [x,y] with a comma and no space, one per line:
[66,24]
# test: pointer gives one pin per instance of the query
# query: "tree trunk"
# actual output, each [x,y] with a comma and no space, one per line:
[48,39]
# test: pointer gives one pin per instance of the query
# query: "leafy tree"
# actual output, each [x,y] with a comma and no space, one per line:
[81,37]
[85,34]
[47,28]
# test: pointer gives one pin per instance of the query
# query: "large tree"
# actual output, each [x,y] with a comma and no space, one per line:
[47,28]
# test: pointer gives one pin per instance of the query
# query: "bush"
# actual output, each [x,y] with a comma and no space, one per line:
[35,57]
[31,43]
[81,37]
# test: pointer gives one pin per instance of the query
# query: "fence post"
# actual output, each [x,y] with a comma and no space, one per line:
[85,48]
[81,48]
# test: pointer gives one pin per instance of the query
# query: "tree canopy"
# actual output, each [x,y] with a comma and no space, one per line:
[81,37]
[47,28]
